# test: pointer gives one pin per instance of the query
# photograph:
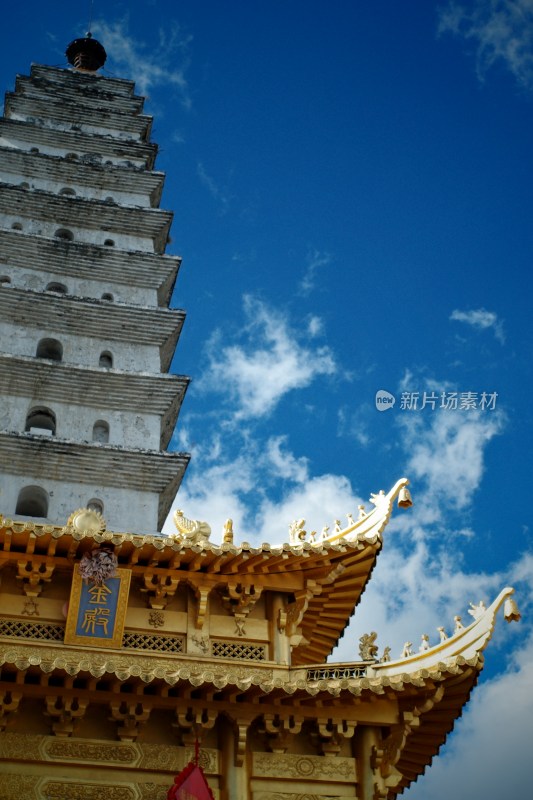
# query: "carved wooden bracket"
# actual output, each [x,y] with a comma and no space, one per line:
[160,589]
[9,703]
[330,734]
[240,741]
[130,717]
[34,574]
[193,722]
[295,611]
[240,599]
[202,597]
[64,712]
[279,730]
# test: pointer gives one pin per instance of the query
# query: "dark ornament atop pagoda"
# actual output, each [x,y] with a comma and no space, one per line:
[86,54]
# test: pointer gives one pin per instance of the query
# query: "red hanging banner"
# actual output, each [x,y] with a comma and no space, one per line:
[190,784]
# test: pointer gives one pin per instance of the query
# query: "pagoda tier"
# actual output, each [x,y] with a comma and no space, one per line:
[89,262]
[79,466]
[79,88]
[96,181]
[101,320]
[73,112]
[159,395]
[104,90]
[93,148]
[43,213]
[208,648]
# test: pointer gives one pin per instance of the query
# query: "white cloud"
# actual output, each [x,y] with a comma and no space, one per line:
[316,261]
[481,319]
[447,451]
[500,31]
[242,488]
[150,66]
[320,500]
[270,360]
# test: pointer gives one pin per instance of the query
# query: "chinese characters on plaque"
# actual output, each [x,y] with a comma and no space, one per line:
[97,611]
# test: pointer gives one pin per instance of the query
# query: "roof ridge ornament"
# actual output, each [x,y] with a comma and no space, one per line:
[370,525]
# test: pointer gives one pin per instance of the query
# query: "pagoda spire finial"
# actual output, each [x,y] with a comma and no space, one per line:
[86,54]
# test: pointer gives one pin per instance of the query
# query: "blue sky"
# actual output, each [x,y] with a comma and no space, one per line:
[352,188]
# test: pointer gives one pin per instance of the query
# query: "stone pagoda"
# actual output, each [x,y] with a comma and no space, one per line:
[133,665]
[88,406]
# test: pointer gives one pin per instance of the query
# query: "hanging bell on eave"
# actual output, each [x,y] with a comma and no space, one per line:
[510,610]
[404,498]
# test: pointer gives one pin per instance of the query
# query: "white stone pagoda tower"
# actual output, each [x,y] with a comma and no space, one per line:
[86,335]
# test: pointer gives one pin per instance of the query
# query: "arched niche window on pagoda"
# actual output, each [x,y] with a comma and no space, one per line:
[106,360]
[109,243]
[5,280]
[67,191]
[41,420]
[32,502]
[64,234]
[101,431]
[51,349]
[16,226]
[58,288]
[108,296]
[24,185]
[96,505]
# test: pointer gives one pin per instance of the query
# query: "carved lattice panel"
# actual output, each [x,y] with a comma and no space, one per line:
[26,629]
[153,641]
[244,650]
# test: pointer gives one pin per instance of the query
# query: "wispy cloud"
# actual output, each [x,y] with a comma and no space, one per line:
[316,261]
[156,65]
[447,453]
[481,319]
[501,31]
[219,194]
[270,359]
